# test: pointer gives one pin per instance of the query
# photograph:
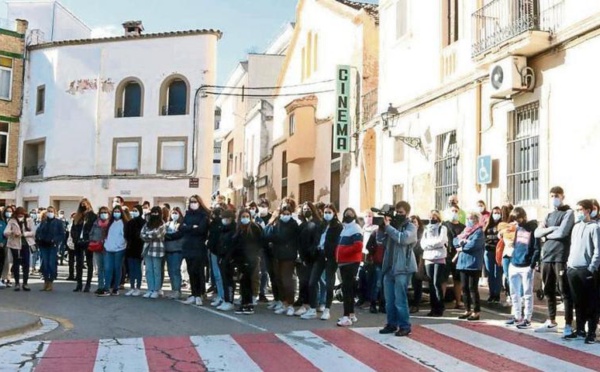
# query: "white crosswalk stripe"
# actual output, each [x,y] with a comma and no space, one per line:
[128,354]
[222,353]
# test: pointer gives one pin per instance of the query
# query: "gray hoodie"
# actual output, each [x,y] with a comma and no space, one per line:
[399,257]
[585,246]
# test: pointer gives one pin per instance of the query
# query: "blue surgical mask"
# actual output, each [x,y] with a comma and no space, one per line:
[245,220]
[8,214]
[594,214]
[135,214]
[580,217]
[175,216]
[454,216]
[496,216]
[470,223]
[328,216]
[117,215]
[104,216]
[556,202]
[225,221]
[285,218]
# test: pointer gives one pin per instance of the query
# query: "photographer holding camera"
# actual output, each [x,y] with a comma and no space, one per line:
[399,264]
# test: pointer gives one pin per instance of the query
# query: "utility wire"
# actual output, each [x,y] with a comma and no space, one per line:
[268,95]
[259,88]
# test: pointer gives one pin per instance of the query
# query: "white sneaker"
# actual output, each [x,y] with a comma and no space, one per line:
[272,305]
[301,311]
[190,300]
[281,310]
[2,285]
[136,293]
[290,311]
[325,315]
[278,306]
[344,322]
[175,295]
[309,314]
[154,295]
[217,302]
[254,300]
[161,293]
[321,308]
[130,292]
[354,319]
[226,306]
[548,326]
[147,294]
[198,301]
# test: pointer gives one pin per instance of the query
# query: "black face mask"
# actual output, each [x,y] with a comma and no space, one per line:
[434,221]
[307,214]
[399,219]
[348,219]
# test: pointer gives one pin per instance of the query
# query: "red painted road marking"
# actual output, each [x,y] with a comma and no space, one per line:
[272,354]
[172,354]
[536,344]
[465,352]
[369,352]
[63,356]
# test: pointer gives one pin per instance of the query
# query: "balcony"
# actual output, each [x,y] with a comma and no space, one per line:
[302,130]
[524,27]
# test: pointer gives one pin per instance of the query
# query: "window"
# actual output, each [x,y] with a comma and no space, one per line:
[446,171]
[292,124]
[6,71]
[449,22]
[309,54]
[303,64]
[307,192]
[284,165]
[398,150]
[130,99]
[4,129]
[126,155]
[523,155]
[401,18]
[40,102]
[172,155]
[217,118]
[34,154]
[315,53]
[174,95]
[229,158]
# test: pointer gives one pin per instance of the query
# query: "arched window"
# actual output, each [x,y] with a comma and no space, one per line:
[130,98]
[174,96]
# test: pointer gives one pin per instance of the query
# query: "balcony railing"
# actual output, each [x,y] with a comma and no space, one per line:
[501,20]
[33,171]
[369,106]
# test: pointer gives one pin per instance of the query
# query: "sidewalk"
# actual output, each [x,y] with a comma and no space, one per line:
[14,322]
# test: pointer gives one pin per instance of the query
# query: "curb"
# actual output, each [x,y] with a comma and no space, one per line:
[37,324]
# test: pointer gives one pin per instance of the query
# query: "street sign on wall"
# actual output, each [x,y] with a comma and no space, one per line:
[484,170]
[341,130]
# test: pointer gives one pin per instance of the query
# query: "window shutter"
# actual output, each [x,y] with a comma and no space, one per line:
[401,18]
[5,82]
[173,156]
[127,156]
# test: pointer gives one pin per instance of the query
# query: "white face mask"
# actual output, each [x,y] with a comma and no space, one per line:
[135,214]
[263,211]
[175,217]
[50,215]
[194,206]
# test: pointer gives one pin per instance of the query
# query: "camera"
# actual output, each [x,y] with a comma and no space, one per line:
[385,211]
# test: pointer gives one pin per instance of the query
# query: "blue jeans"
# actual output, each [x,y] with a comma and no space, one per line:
[323,289]
[153,269]
[375,277]
[214,260]
[135,272]
[113,266]
[49,262]
[174,268]
[35,258]
[99,261]
[494,273]
[396,296]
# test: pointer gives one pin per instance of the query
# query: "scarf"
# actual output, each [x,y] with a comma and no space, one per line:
[468,231]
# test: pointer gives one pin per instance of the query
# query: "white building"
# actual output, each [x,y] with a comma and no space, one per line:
[118,116]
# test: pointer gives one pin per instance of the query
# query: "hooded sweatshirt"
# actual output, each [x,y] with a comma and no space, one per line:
[557,232]
[585,246]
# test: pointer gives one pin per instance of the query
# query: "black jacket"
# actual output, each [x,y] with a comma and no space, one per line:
[332,238]
[132,231]
[85,224]
[49,233]
[310,236]
[247,245]
[283,239]
[491,238]
[225,247]
[194,238]
[214,231]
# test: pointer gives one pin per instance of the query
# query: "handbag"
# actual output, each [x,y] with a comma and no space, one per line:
[499,252]
[95,246]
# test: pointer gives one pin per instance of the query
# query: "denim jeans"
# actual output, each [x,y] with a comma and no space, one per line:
[435,272]
[521,280]
[214,261]
[113,266]
[49,262]
[174,268]
[494,273]
[135,272]
[35,258]
[375,277]
[396,296]
[327,267]
[99,261]
[20,260]
[323,289]
[153,268]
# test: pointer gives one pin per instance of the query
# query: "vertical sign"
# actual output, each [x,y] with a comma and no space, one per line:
[341,133]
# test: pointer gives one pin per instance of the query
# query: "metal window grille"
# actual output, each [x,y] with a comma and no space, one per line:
[446,168]
[523,155]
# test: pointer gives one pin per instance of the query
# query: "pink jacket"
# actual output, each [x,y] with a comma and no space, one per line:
[12,228]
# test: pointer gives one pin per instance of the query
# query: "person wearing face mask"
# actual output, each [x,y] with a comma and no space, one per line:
[450,214]
[224,250]
[80,234]
[521,270]
[310,236]
[115,246]
[348,257]
[454,228]
[153,235]
[35,253]
[266,266]
[4,216]
[214,233]
[256,277]
[485,214]
[582,271]
[247,243]
[470,245]
[48,236]
[96,246]
[133,251]
[19,232]
[195,233]
[555,233]
[282,235]
[493,270]
[435,250]
[146,210]
[594,215]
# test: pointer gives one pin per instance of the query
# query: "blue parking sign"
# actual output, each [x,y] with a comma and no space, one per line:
[484,170]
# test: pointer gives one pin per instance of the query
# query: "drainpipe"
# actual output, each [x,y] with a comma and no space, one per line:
[478,137]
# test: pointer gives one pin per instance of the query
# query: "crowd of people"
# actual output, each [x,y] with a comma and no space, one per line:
[302,252]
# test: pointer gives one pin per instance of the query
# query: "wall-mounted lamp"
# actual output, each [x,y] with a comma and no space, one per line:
[390,120]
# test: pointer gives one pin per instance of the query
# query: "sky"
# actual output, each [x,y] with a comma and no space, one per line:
[247,25]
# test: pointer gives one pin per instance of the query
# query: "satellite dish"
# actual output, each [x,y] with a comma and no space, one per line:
[497,77]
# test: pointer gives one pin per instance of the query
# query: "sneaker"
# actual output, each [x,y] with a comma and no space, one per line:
[263,299]
[548,326]
[129,293]
[103,294]
[147,294]
[524,324]
[279,305]
[281,310]
[344,322]
[402,333]
[354,319]
[290,311]
[326,315]
[225,306]
[321,308]
[568,332]
[301,311]
[2,285]
[114,292]
[511,321]
[248,310]
[98,291]
[387,330]
[373,309]
[136,293]
[239,310]
[154,295]
[198,301]
[309,314]
[175,295]
[254,301]
[190,300]
[161,293]
[590,339]
[272,305]
[216,302]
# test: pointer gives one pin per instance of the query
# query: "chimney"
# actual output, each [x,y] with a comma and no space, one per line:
[133,28]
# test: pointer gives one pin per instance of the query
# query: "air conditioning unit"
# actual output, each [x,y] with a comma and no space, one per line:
[511,75]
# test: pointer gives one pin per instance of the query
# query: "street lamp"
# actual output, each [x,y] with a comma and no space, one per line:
[390,119]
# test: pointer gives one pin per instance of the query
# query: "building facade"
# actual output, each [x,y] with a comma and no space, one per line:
[491,100]
[118,116]
[12,59]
